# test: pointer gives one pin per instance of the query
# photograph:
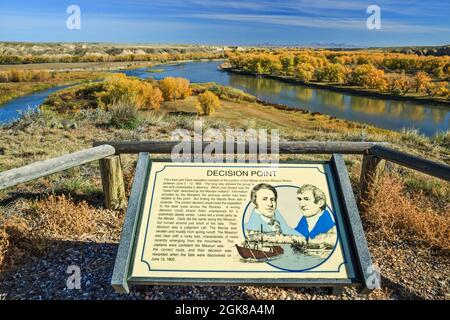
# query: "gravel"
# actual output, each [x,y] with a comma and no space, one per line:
[408,272]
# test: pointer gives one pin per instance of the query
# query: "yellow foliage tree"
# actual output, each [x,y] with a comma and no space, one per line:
[399,83]
[174,88]
[208,103]
[421,81]
[120,88]
[334,72]
[368,76]
[438,89]
[304,72]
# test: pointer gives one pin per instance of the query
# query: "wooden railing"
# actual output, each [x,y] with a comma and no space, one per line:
[108,153]
[46,167]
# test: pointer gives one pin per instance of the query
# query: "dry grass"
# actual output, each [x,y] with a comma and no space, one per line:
[58,217]
[15,244]
[395,214]
[49,220]
[4,244]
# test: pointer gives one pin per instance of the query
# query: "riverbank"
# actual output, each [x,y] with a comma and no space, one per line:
[12,90]
[95,66]
[78,66]
[72,73]
[356,90]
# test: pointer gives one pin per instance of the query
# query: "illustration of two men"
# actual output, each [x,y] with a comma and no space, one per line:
[315,222]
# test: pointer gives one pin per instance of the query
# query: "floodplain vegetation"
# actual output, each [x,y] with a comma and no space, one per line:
[407,223]
[15,83]
[26,68]
[396,74]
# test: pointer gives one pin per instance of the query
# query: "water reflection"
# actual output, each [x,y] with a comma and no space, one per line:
[305,95]
[438,115]
[368,106]
[331,98]
[389,114]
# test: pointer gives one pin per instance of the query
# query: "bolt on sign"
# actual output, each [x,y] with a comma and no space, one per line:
[293,224]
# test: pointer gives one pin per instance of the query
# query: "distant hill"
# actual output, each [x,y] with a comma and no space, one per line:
[96,49]
[314,45]
[83,49]
[422,51]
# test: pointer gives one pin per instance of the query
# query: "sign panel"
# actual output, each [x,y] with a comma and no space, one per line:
[236,223]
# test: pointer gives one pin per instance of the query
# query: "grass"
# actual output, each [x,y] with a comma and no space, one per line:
[10,91]
[223,92]
[77,185]
[124,116]
[442,139]
[414,136]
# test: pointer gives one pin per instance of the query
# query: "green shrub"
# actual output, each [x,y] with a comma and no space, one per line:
[124,116]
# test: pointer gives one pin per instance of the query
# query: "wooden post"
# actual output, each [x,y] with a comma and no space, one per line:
[112,181]
[367,179]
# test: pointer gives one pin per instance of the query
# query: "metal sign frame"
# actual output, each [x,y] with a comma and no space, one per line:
[353,239]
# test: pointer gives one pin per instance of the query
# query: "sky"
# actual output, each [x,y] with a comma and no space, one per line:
[234,22]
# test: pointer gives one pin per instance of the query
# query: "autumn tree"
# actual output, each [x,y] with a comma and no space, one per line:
[287,63]
[208,103]
[442,89]
[174,88]
[148,97]
[319,74]
[394,72]
[438,89]
[304,72]
[399,83]
[120,89]
[334,72]
[361,73]
[421,81]
[368,76]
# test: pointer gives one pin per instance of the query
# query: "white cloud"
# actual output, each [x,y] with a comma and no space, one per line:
[320,22]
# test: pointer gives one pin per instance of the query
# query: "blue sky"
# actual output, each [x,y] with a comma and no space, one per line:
[235,22]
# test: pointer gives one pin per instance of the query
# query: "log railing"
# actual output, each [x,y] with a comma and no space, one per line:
[290,147]
[108,153]
[46,167]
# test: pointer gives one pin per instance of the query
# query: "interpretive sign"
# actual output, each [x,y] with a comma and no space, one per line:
[241,223]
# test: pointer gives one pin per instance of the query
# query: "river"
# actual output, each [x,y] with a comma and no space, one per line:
[383,113]
[13,109]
